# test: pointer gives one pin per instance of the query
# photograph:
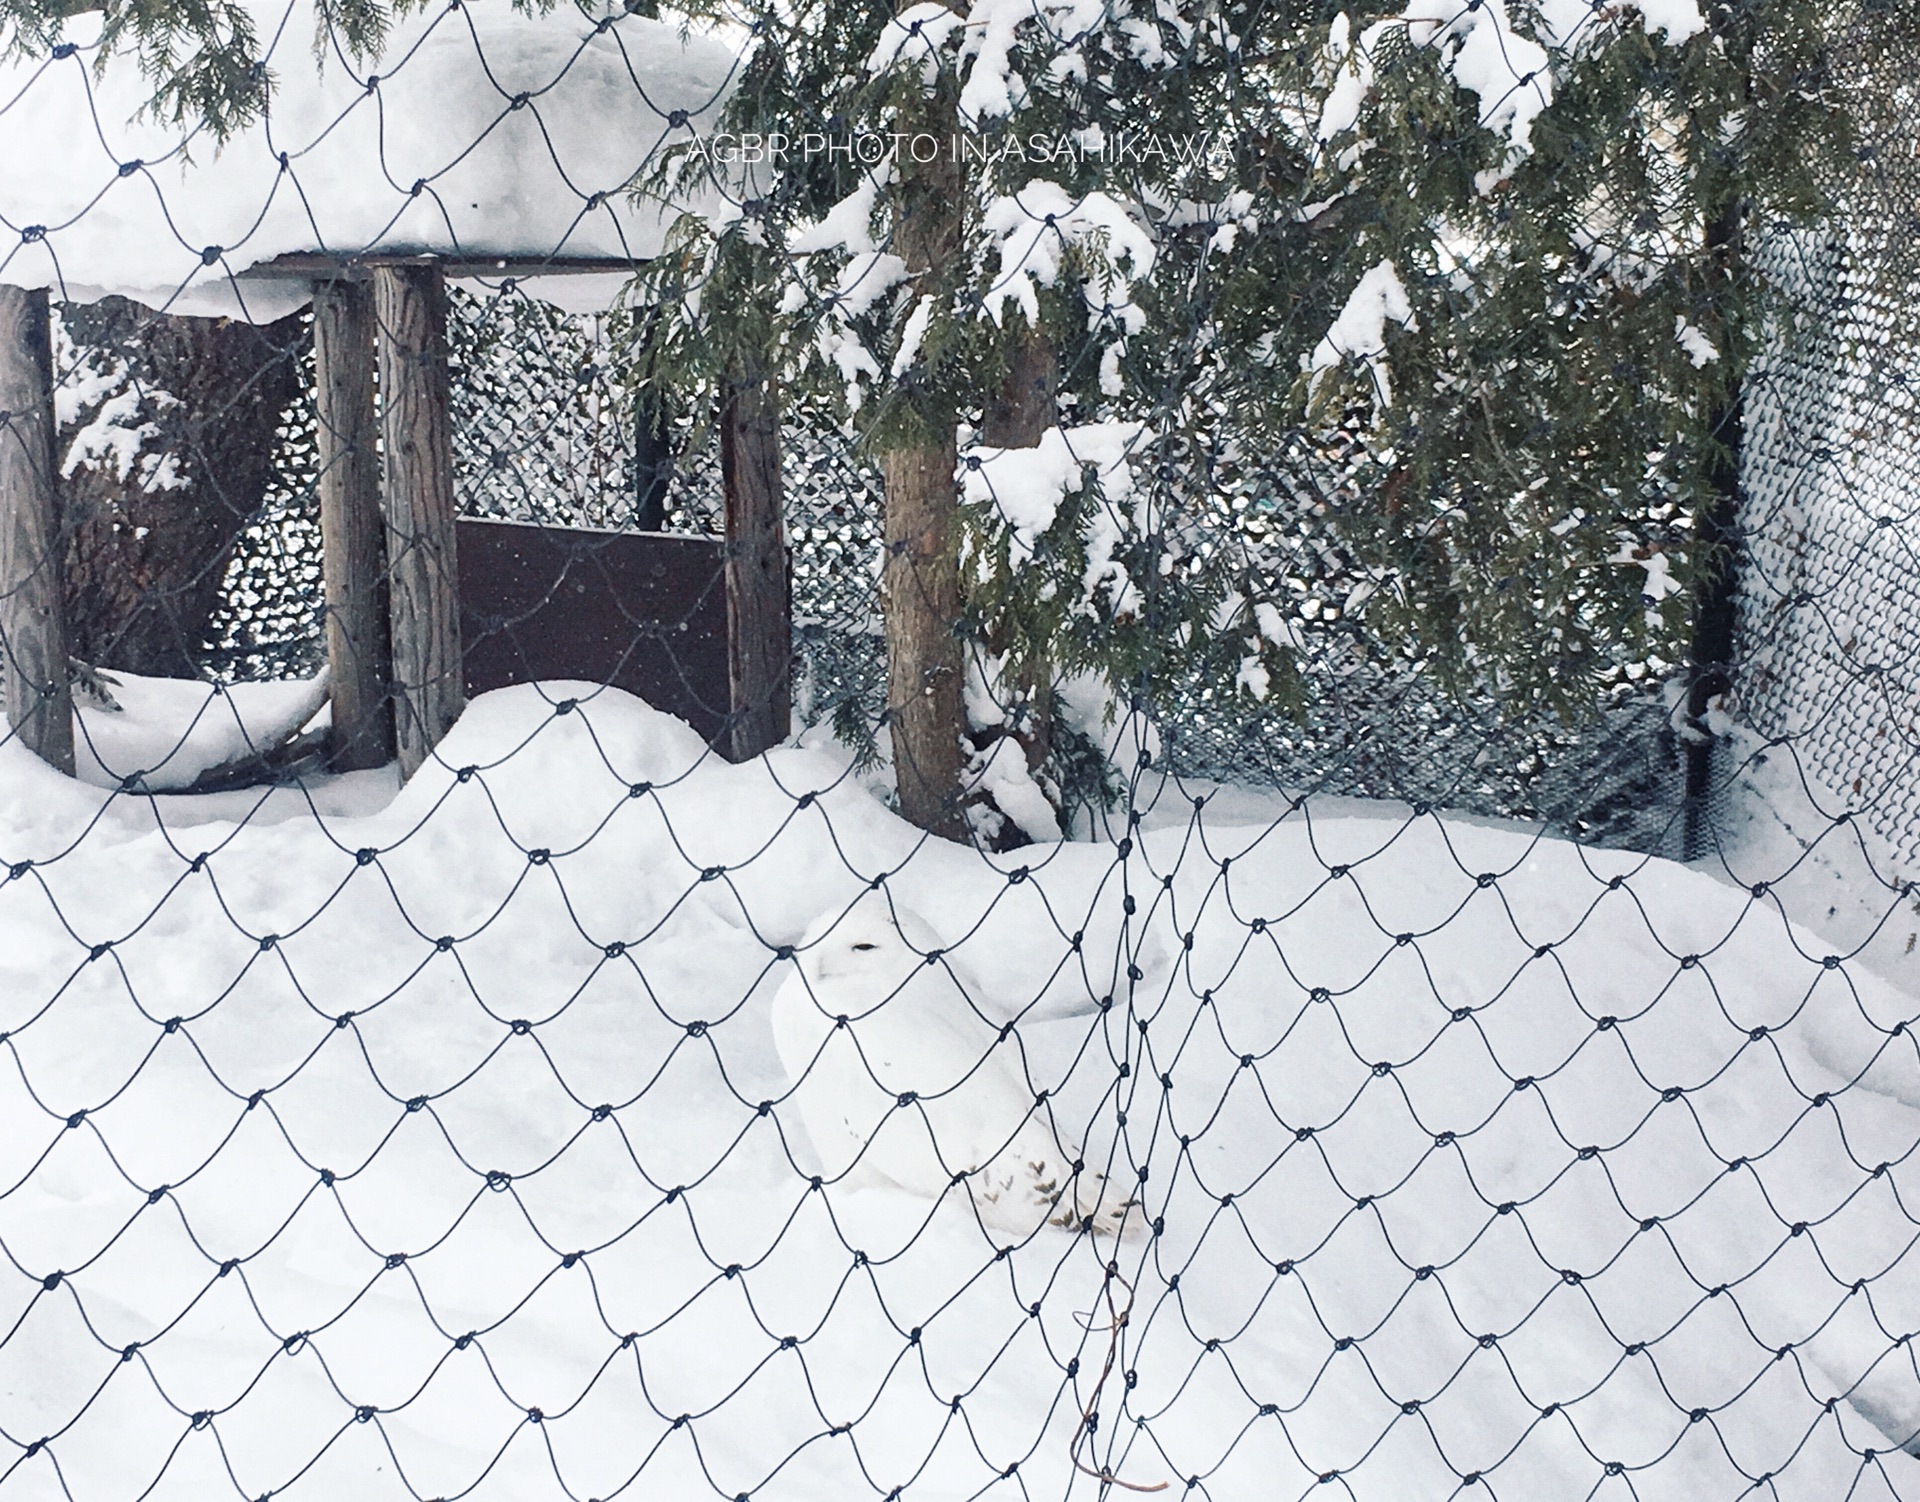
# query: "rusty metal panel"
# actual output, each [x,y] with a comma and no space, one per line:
[643,611]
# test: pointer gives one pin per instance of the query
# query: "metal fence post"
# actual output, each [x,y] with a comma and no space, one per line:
[410,302]
[33,627]
[1715,605]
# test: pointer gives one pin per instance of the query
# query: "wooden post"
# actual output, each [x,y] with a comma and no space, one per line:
[33,627]
[354,554]
[759,594]
[410,303]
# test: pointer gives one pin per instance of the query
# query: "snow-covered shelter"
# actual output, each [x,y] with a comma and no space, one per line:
[480,143]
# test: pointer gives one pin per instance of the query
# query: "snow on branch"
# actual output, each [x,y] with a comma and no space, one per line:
[1035,229]
[993,88]
[1508,71]
[1360,332]
[1569,21]
[1025,486]
[114,415]
[991,30]
[916,34]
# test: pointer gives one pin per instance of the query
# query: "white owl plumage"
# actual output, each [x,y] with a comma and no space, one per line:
[916,1086]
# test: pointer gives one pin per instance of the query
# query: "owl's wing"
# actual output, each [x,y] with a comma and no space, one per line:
[969,1079]
[800,1025]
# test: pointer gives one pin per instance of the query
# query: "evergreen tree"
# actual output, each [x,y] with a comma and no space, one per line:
[151,529]
[930,281]
[1465,275]
[204,58]
[1513,310]
[1476,269]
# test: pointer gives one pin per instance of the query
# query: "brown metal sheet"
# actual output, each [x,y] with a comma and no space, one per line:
[643,611]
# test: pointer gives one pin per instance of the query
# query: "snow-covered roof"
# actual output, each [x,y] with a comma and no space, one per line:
[478,132]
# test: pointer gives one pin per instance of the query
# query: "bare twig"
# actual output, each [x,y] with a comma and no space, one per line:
[1090,1415]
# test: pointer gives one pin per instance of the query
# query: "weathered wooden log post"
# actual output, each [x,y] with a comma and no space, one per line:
[410,304]
[354,554]
[33,628]
[759,593]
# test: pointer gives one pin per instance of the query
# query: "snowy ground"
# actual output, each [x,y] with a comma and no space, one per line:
[366,1145]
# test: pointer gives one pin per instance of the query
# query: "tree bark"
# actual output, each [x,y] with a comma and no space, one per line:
[652,464]
[1022,410]
[759,593]
[152,523]
[354,555]
[410,302]
[920,602]
[920,577]
[1016,418]
[33,635]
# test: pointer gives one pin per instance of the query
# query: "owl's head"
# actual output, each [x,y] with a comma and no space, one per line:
[875,939]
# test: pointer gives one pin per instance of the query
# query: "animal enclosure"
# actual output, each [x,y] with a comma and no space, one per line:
[475,1022]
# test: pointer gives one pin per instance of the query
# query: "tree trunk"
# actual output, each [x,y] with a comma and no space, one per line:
[162,468]
[652,464]
[920,601]
[354,554]
[759,594]
[410,301]
[1016,418]
[920,578]
[1022,410]
[33,636]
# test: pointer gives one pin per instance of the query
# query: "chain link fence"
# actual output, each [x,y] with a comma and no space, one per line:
[1831,518]
[545,432]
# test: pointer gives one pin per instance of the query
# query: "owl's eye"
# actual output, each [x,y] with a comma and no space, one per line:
[863,946]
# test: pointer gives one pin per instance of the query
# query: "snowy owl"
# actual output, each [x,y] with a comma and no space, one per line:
[896,1074]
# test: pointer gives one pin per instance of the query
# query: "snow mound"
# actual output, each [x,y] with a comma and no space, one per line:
[167,731]
[443,1150]
[479,132]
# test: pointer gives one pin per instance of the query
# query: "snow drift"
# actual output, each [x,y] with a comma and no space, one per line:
[441,1148]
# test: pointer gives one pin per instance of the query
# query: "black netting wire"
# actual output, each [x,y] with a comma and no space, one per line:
[1362,1105]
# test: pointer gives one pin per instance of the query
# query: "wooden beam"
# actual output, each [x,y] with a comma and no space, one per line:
[354,554]
[759,595]
[319,266]
[410,303]
[33,628]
